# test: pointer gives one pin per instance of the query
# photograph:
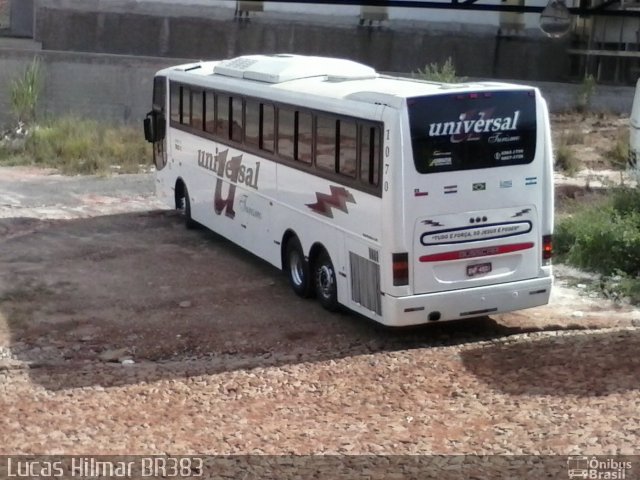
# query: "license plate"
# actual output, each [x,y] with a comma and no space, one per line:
[478,269]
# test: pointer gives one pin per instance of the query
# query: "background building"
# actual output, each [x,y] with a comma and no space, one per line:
[100,56]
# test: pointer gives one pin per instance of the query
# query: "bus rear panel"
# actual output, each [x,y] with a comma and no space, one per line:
[478,206]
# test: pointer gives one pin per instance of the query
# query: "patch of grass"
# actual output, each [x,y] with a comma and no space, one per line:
[605,239]
[619,286]
[573,137]
[435,72]
[585,93]
[78,146]
[626,201]
[619,153]
[25,92]
[601,240]
[565,159]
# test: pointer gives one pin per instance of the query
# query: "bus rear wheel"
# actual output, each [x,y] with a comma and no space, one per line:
[325,282]
[297,269]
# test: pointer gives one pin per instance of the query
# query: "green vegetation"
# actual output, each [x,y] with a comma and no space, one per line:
[25,92]
[585,93]
[435,72]
[565,159]
[605,238]
[573,137]
[619,154]
[78,146]
[71,145]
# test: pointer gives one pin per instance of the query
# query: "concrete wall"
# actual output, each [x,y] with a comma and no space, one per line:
[108,87]
[320,9]
[117,88]
[211,32]
[22,15]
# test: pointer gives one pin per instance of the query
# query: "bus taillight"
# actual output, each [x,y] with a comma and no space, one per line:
[400,269]
[547,249]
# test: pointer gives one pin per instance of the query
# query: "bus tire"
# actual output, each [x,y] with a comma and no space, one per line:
[297,268]
[325,282]
[189,222]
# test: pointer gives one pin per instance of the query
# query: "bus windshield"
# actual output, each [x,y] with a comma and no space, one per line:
[465,131]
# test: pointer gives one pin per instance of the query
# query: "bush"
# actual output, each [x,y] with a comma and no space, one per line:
[605,239]
[601,241]
[434,72]
[626,201]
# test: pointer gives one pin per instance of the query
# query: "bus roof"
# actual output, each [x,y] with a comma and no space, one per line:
[316,76]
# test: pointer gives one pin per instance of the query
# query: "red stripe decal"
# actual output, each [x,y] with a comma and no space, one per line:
[476,252]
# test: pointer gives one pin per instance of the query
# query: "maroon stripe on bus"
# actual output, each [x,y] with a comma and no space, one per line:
[476,252]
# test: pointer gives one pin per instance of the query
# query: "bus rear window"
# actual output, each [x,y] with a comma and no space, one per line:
[465,131]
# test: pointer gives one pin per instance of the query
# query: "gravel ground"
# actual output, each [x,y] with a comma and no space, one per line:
[482,397]
[106,350]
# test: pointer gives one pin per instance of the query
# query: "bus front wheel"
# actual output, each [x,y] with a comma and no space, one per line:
[325,282]
[189,222]
[297,269]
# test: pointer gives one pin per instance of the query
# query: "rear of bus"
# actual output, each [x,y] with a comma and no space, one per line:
[477,188]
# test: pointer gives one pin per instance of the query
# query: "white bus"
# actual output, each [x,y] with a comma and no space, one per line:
[405,201]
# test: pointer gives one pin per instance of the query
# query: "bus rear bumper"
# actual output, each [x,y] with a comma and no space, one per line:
[467,303]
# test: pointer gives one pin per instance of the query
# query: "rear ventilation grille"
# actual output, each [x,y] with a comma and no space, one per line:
[365,282]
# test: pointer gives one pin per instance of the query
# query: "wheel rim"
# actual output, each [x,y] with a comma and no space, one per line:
[325,281]
[296,268]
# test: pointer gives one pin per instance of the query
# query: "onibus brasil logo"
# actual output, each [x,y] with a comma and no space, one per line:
[598,468]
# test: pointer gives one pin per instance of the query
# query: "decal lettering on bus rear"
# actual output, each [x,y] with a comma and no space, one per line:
[455,132]
[472,234]
[467,125]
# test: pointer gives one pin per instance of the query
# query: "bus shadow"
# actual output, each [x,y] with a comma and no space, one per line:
[588,364]
[133,298]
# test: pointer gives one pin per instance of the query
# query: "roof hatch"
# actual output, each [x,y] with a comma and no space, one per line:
[283,67]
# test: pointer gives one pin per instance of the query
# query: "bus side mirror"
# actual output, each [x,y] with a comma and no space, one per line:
[148,133]
[154,127]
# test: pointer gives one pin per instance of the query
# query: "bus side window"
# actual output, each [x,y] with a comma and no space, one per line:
[326,143]
[185,104]
[209,112]
[286,131]
[369,154]
[196,109]
[252,123]
[222,115]
[175,99]
[304,137]
[236,119]
[267,127]
[347,148]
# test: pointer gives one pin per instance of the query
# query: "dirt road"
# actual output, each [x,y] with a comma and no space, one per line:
[121,332]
